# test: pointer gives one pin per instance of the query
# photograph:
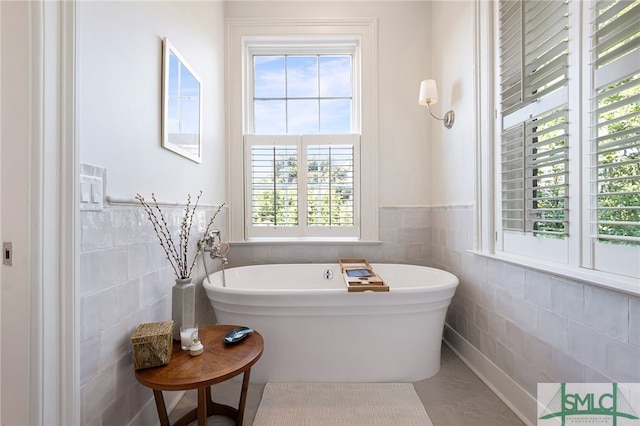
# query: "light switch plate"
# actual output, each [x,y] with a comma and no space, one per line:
[91,193]
[85,192]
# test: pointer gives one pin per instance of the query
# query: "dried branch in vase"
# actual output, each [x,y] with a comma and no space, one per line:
[178,256]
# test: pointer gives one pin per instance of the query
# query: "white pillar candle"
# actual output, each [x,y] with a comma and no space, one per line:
[186,336]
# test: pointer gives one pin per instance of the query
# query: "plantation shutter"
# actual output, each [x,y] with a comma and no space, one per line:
[534,175]
[615,146]
[302,186]
[511,54]
[274,185]
[534,143]
[533,47]
[546,159]
[330,185]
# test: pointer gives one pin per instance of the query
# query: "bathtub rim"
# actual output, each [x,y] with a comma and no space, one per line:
[452,284]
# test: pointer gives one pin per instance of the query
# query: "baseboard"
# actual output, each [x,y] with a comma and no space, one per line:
[510,392]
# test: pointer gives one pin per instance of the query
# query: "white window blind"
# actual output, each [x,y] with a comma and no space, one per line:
[568,147]
[511,28]
[287,172]
[534,143]
[274,185]
[534,176]
[615,145]
[617,152]
[330,185]
[533,47]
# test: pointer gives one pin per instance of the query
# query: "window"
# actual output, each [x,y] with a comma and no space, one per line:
[534,141]
[568,126]
[302,154]
[303,94]
[307,129]
[615,135]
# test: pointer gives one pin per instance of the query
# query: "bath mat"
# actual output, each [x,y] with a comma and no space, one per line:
[341,404]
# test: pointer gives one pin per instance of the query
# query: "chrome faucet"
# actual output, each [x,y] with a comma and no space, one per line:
[212,243]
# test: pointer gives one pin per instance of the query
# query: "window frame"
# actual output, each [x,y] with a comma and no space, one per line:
[581,261]
[243,35]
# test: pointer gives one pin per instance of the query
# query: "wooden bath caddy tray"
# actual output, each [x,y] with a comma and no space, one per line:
[359,276]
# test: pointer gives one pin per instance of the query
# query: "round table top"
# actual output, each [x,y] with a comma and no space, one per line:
[218,363]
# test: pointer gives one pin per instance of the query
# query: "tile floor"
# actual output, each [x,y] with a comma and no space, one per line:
[453,397]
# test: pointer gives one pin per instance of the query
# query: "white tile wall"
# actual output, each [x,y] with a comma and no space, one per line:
[515,339]
[538,288]
[567,299]
[552,328]
[545,328]
[586,345]
[125,280]
[564,368]
[634,318]
[607,311]
[404,233]
[534,326]
[516,282]
[622,361]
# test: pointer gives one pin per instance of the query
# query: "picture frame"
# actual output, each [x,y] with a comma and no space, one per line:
[181,105]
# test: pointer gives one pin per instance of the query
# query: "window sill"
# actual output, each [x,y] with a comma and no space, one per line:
[313,241]
[620,283]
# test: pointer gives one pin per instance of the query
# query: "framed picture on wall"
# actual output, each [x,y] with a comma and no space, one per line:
[181,105]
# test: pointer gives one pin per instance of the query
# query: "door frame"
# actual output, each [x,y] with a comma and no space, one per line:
[54,354]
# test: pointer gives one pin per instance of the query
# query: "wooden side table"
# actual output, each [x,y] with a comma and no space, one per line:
[218,363]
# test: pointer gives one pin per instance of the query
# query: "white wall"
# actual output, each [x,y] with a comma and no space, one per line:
[451,41]
[403,62]
[119,48]
[15,319]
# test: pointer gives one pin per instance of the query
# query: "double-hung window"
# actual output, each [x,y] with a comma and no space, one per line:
[302,145]
[302,136]
[568,133]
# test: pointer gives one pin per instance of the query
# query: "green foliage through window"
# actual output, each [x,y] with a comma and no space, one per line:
[618,163]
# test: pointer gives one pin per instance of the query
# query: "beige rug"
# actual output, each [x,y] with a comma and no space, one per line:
[341,404]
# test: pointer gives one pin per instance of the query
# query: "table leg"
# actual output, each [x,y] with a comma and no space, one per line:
[243,397]
[203,405]
[162,409]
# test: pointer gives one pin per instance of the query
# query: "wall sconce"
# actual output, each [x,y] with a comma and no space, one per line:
[429,96]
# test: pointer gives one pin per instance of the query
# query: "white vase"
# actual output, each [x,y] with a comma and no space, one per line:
[183,305]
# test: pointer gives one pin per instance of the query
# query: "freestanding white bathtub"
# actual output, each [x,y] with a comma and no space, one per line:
[316,331]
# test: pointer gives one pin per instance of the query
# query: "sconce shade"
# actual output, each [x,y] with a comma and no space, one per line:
[429,96]
[428,93]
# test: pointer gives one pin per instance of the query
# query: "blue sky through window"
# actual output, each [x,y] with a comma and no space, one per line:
[302,94]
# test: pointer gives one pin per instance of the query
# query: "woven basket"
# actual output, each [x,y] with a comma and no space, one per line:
[152,344]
